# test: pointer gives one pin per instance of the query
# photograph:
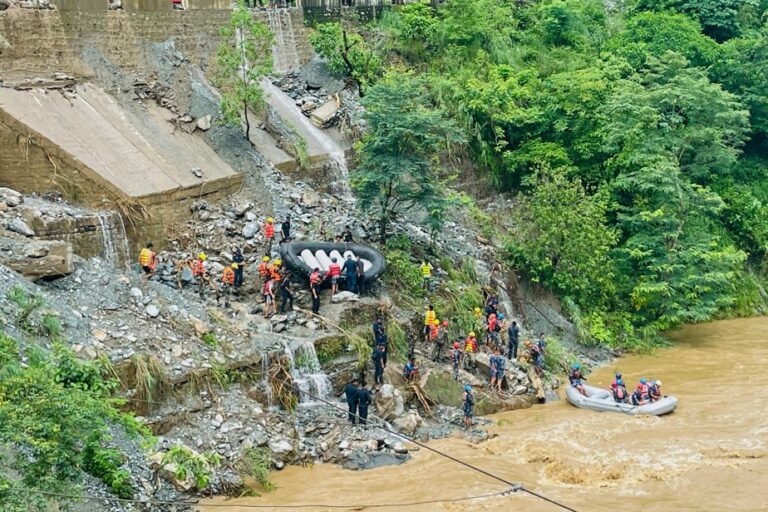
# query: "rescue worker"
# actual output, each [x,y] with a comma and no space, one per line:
[334,271]
[379,364]
[491,303]
[426,274]
[286,296]
[274,271]
[352,400]
[360,276]
[497,370]
[513,333]
[640,396]
[575,377]
[237,257]
[411,370]
[456,359]
[346,235]
[619,391]
[616,378]
[350,273]
[470,347]
[429,321]
[434,331]
[378,330]
[363,401]
[200,272]
[654,393]
[468,405]
[227,283]
[492,330]
[264,269]
[269,234]
[441,342]
[285,230]
[314,289]
[148,260]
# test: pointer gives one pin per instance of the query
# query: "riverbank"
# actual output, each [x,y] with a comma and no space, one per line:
[710,454]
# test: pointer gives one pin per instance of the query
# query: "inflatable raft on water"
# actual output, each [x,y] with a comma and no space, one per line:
[304,257]
[601,400]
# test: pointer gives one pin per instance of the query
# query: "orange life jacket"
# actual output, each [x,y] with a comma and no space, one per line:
[275,273]
[263,269]
[198,268]
[470,345]
[228,277]
[433,331]
[269,230]
[314,278]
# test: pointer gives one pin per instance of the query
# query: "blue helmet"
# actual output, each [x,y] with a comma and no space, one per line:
[576,366]
[619,382]
[643,381]
[467,388]
[501,316]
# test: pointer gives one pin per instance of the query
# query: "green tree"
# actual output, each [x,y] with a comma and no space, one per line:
[346,53]
[672,110]
[681,272]
[243,58]
[399,156]
[561,238]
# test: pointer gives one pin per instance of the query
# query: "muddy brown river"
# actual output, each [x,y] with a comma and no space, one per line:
[711,454]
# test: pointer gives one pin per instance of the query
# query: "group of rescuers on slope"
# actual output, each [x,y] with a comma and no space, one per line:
[646,392]
[275,280]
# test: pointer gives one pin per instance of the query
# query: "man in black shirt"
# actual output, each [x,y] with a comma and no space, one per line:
[363,401]
[285,230]
[346,235]
[379,363]
[286,297]
[351,393]
[514,337]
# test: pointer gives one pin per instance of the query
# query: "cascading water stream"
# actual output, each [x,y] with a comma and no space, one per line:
[307,374]
[114,239]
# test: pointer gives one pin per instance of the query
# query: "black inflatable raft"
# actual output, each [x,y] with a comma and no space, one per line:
[304,257]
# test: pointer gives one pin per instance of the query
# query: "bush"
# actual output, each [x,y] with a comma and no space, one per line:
[330,350]
[190,464]
[210,339]
[104,463]
[51,326]
[256,463]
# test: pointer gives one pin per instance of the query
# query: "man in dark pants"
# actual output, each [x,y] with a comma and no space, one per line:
[379,363]
[352,398]
[237,257]
[363,401]
[285,229]
[514,337]
[360,275]
[349,269]
[286,296]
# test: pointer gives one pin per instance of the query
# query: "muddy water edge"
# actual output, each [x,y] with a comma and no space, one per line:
[711,454]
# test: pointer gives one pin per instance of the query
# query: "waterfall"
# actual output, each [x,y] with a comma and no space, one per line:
[284,53]
[265,379]
[114,241]
[307,374]
[337,164]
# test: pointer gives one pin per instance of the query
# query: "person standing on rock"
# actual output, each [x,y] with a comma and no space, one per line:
[426,274]
[440,342]
[363,401]
[429,321]
[468,406]
[286,297]
[334,272]
[456,356]
[237,257]
[314,289]
[352,400]
[285,230]
[227,283]
[148,261]
[470,347]
[264,269]
[378,330]
[379,357]
[360,276]
[346,235]
[350,273]
[200,273]
[514,339]
[497,370]
[268,292]
[269,235]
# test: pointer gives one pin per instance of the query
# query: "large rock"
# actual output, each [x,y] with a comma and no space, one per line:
[440,387]
[310,199]
[280,447]
[323,114]
[10,197]
[389,402]
[489,403]
[250,229]
[37,259]
[345,296]
[204,123]
[20,227]
[408,423]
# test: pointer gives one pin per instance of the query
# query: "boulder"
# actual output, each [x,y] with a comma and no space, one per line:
[408,423]
[250,229]
[153,311]
[310,199]
[389,402]
[489,403]
[399,447]
[199,326]
[24,258]
[20,227]
[10,197]
[345,296]
[440,387]
[204,123]
[280,446]
[323,114]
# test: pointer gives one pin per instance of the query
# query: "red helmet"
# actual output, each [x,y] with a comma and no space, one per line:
[455,344]
[445,323]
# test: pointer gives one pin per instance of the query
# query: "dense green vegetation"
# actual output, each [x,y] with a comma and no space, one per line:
[636,139]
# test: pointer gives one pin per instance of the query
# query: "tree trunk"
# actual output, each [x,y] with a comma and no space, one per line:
[383,227]
[247,123]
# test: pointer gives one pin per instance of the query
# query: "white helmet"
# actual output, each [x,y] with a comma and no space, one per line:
[658,383]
